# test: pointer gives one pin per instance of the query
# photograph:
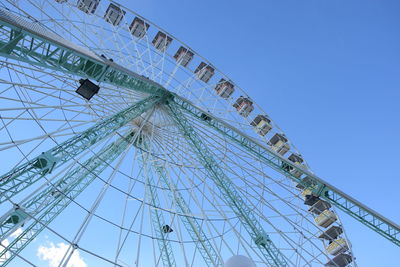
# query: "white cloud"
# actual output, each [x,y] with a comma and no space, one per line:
[3,258]
[54,254]
[5,243]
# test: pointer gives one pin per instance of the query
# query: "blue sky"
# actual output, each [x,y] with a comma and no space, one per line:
[327,72]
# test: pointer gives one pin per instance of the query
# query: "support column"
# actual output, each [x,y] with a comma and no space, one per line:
[157,217]
[26,174]
[228,190]
[306,179]
[35,213]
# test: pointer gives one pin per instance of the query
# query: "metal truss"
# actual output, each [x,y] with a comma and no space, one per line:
[157,217]
[319,187]
[31,43]
[228,190]
[210,256]
[24,175]
[36,213]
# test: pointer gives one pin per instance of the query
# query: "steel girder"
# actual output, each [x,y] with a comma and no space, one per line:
[31,43]
[210,256]
[24,175]
[37,212]
[319,187]
[157,217]
[228,189]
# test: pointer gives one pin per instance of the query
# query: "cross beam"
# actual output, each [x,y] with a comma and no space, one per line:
[319,187]
[35,213]
[24,175]
[31,43]
[228,189]
[207,251]
[157,217]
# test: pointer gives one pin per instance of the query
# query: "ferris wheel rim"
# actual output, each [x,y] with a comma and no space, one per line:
[207,61]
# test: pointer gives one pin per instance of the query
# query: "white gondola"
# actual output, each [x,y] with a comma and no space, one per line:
[325,218]
[319,207]
[114,14]
[88,6]
[161,41]
[306,180]
[204,72]
[244,106]
[224,89]
[138,27]
[183,56]
[279,144]
[298,160]
[262,124]
[337,246]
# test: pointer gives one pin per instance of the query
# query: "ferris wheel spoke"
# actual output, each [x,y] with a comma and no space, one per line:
[102,69]
[156,215]
[221,191]
[24,175]
[158,221]
[60,25]
[320,188]
[81,231]
[8,145]
[220,211]
[272,254]
[277,230]
[60,128]
[287,201]
[48,203]
[240,240]
[131,185]
[285,217]
[194,229]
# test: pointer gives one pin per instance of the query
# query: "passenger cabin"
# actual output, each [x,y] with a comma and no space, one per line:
[340,260]
[332,233]
[224,89]
[319,206]
[204,72]
[337,246]
[325,218]
[183,56]
[138,27]
[298,160]
[306,180]
[279,144]
[114,14]
[161,41]
[244,106]
[262,124]
[88,6]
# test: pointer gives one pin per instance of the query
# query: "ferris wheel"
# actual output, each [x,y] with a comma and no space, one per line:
[122,146]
